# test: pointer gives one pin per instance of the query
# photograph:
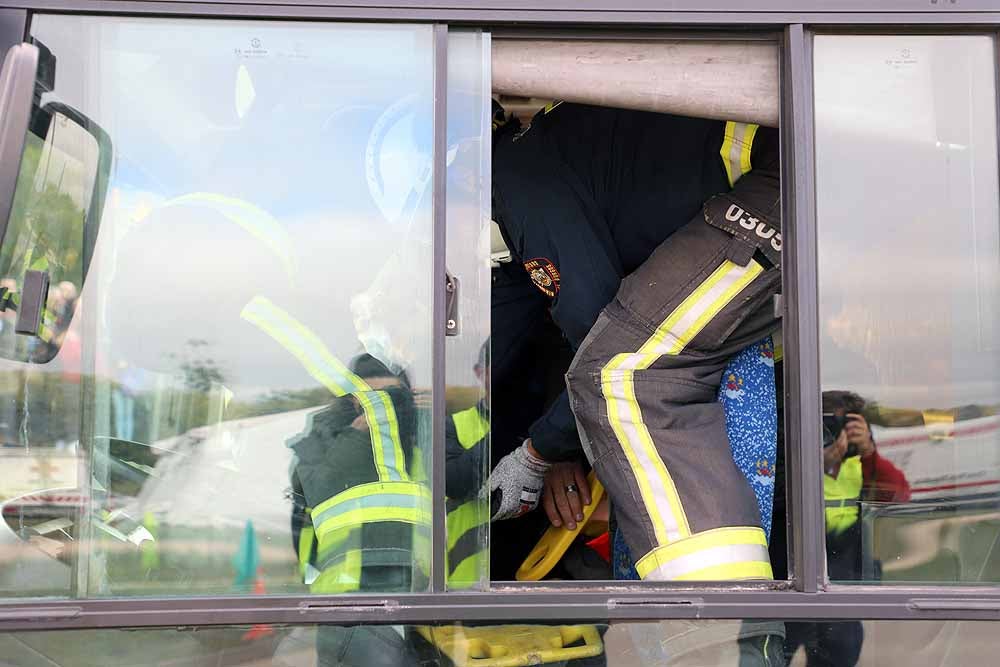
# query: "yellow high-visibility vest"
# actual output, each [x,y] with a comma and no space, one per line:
[464,522]
[842,494]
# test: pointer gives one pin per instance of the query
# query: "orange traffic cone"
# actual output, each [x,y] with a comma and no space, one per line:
[261,629]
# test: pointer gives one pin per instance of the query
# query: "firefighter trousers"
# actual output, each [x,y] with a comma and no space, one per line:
[644,382]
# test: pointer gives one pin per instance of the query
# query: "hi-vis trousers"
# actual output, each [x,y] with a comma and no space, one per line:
[643,388]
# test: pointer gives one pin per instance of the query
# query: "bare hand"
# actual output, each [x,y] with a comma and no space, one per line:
[360,422]
[834,454]
[566,492]
[859,435]
[422,399]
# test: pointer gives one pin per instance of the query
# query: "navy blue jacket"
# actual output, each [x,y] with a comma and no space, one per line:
[583,197]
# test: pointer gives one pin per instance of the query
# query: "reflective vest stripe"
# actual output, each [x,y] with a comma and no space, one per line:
[415,514]
[408,509]
[735,150]
[466,522]
[841,495]
[368,503]
[462,519]
[370,489]
[334,375]
[657,488]
[344,578]
[726,553]
[306,537]
[255,220]
[470,426]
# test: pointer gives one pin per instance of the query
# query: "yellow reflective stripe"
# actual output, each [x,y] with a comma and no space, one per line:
[386,501]
[552,105]
[414,515]
[306,538]
[470,426]
[698,309]
[465,517]
[779,346]
[735,548]
[384,429]
[255,220]
[372,489]
[655,484]
[735,151]
[466,574]
[700,543]
[343,577]
[304,345]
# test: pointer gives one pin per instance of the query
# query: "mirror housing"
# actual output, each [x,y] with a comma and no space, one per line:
[17,88]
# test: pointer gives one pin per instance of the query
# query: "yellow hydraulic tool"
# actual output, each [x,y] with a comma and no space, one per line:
[517,645]
[514,645]
[556,540]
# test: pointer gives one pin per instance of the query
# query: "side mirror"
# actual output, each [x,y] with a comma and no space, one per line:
[54,197]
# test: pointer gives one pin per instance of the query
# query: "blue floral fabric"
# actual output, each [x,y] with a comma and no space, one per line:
[747,394]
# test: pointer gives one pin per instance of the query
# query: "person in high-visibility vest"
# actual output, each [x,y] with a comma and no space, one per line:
[467,453]
[353,539]
[853,472]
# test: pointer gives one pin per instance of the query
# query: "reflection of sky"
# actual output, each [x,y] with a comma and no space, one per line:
[327,131]
[908,223]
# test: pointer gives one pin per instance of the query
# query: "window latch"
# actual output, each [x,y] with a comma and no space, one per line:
[353,606]
[451,326]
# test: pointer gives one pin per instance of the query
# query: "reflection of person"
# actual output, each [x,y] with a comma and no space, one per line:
[853,472]
[350,542]
[467,451]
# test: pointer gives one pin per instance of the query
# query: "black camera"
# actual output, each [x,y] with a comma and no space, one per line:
[833,424]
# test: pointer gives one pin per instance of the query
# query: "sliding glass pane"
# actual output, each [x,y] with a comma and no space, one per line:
[467,346]
[228,390]
[909,292]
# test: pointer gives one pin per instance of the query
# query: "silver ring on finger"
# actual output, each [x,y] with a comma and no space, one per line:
[571,488]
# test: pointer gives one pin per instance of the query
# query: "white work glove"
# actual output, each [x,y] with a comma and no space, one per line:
[516,484]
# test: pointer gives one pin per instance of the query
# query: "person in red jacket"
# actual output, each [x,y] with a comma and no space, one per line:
[853,473]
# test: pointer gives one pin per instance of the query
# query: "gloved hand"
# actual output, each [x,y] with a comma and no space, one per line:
[516,483]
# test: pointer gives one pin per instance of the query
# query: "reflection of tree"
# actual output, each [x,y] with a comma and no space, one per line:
[44,222]
[200,371]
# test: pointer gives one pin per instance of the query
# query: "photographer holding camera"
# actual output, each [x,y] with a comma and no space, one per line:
[853,472]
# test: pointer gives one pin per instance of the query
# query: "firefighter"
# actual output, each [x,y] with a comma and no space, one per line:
[467,452]
[657,239]
[366,517]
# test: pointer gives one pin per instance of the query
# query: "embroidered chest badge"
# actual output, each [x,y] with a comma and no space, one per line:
[544,274]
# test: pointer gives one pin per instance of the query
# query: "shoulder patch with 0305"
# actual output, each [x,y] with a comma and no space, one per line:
[544,274]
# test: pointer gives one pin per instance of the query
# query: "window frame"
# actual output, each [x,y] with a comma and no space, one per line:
[808,594]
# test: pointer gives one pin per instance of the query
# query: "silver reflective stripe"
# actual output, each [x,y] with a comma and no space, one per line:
[381,404]
[393,500]
[713,556]
[841,503]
